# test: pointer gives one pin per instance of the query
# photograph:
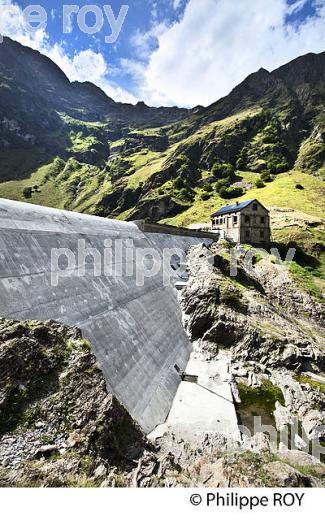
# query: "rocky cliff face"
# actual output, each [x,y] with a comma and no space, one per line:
[58,424]
[272,328]
[260,312]
[60,428]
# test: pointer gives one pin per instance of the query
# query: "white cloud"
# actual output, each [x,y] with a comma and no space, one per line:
[218,43]
[12,24]
[143,43]
[83,66]
[198,58]
[89,66]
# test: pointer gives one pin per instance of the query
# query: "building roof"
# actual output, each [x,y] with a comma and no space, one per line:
[233,208]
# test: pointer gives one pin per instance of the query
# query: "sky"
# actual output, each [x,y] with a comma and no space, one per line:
[171,52]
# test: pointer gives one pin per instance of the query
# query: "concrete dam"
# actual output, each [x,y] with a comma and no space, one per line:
[49,270]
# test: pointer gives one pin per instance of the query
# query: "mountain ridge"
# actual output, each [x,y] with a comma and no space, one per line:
[68,144]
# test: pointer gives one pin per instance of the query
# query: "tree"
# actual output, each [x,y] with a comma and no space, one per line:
[27,192]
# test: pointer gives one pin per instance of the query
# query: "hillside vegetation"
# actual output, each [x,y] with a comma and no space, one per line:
[69,146]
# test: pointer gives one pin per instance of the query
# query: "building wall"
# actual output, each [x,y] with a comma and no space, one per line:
[229,226]
[251,225]
[255,225]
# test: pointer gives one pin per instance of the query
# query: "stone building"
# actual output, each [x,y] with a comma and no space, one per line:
[246,222]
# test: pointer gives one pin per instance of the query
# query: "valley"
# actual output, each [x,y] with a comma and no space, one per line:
[81,151]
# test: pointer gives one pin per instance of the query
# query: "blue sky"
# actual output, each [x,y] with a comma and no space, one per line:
[183,52]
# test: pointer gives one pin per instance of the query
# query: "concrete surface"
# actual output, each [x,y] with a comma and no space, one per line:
[205,406]
[136,331]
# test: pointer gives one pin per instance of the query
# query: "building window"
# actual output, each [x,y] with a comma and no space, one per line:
[262,220]
[235,220]
[262,233]
[247,219]
[255,207]
[247,233]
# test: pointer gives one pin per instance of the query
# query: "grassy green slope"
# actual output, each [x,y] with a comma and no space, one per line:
[281,192]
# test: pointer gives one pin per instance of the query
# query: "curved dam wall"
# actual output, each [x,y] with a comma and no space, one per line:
[133,320]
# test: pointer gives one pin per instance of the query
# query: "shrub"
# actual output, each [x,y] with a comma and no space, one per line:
[183,171]
[222,183]
[282,166]
[207,187]
[183,158]
[231,193]
[266,176]
[241,164]
[186,194]
[205,196]
[276,165]
[222,170]
[27,192]
[179,183]
[259,184]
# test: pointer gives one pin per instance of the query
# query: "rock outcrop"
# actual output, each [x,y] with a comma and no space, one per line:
[59,427]
[247,302]
[58,424]
[259,311]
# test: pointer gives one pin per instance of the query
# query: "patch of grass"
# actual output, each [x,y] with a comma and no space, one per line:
[314,384]
[253,465]
[142,158]
[82,143]
[149,132]
[264,397]
[49,193]
[114,145]
[316,471]
[304,279]
[145,172]
[232,297]
[311,155]
[280,193]
[309,243]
